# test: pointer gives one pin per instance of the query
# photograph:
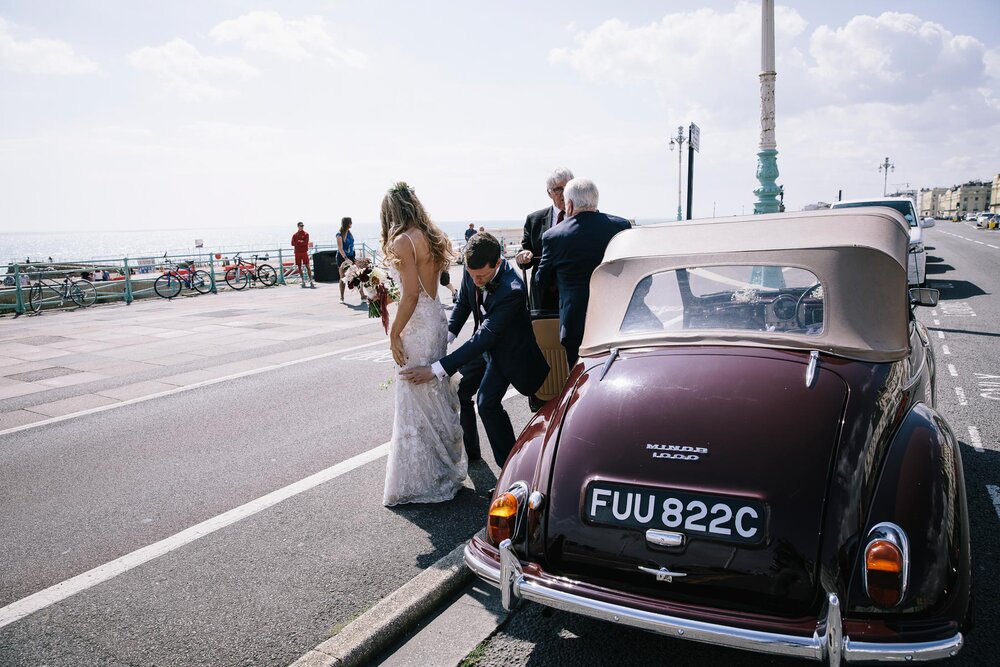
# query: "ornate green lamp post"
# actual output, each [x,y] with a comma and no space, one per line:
[767,155]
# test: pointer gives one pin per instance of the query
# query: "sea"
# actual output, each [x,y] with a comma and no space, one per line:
[107,245]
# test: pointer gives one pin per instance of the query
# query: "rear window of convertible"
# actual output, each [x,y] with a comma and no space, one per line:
[778,299]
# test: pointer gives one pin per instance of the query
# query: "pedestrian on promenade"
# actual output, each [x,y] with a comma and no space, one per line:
[570,253]
[300,243]
[470,232]
[535,225]
[345,251]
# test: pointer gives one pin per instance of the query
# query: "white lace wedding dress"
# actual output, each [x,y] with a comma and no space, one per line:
[427,462]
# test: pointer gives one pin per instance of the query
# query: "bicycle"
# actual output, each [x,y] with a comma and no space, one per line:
[242,273]
[80,291]
[181,275]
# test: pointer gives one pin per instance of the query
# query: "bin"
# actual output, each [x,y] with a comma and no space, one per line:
[325,269]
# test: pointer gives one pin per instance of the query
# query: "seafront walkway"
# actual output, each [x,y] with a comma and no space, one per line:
[199,481]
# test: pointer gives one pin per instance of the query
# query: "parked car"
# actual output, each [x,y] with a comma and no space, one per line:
[747,452]
[917,263]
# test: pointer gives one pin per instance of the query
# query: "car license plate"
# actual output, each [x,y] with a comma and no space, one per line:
[696,515]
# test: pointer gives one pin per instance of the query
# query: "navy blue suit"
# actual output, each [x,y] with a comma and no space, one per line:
[570,253]
[502,352]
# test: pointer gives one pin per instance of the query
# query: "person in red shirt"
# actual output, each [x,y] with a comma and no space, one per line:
[300,242]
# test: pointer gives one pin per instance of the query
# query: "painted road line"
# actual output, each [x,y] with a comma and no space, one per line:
[937,323]
[178,390]
[962,400]
[993,246]
[994,492]
[975,440]
[933,313]
[944,348]
[951,369]
[940,334]
[64,589]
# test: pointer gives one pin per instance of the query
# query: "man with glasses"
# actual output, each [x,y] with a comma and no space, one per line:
[537,224]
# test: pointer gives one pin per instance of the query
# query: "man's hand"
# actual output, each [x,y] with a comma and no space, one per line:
[417,374]
[524,257]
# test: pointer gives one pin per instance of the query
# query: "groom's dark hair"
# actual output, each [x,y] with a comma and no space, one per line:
[481,250]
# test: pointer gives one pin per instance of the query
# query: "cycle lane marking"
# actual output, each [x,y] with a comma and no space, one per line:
[195,385]
[81,582]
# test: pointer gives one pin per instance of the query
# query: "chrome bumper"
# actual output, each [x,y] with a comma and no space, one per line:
[827,644]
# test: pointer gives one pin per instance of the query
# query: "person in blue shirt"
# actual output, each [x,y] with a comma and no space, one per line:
[345,250]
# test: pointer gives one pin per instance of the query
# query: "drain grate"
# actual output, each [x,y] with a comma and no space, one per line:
[39,340]
[42,374]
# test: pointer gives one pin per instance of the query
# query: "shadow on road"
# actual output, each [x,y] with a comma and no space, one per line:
[448,524]
[959,289]
[939,267]
[931,259]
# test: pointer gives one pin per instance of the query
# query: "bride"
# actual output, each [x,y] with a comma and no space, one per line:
[427,462]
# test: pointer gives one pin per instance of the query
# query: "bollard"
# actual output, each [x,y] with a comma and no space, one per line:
[18,292]
[211,273]
[281,269]
[128,283]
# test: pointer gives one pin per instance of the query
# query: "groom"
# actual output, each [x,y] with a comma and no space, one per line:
[502,350]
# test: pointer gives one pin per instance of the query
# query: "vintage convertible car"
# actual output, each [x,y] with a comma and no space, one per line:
[747,453]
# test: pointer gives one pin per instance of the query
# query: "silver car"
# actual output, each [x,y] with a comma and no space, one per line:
[917,269]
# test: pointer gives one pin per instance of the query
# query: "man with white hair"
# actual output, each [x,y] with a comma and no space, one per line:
[537,224]
[570,253]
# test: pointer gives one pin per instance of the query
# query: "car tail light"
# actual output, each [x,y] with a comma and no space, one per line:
[886,565]
[501,523]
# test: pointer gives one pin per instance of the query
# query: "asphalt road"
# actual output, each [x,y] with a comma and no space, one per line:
[81,493]
[964,263]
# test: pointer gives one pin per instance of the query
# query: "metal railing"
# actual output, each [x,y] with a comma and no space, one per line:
[130,278]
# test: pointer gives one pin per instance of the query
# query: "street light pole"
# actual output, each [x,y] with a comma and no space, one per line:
[679,141]
[767,155]
[886,167]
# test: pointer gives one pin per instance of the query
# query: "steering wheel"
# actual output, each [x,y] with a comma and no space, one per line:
[799,302]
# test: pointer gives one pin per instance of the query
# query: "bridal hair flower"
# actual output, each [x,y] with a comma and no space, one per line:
[402,188]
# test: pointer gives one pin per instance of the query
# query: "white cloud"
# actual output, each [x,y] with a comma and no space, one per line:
[290,39]
[893,57]
[189,74]
[41,56]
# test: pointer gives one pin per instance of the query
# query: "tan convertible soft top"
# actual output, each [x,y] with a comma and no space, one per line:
[859,255]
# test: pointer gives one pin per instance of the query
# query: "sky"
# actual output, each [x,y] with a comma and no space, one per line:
[117,114]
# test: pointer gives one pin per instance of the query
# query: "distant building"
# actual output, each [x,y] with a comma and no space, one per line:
[971,197]
[929,204]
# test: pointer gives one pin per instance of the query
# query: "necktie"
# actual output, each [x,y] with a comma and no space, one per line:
[559,218]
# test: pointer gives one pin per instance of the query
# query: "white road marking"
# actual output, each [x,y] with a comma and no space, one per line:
[961,396]
[994,492]
[993,246]
[979,242]
[951,369]
[937,322]
[944,348]
[196,385]
[934,314]
[975,440]
[64,589]
[940,334]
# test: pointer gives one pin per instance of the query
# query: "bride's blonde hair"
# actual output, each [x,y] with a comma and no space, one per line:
[402,211]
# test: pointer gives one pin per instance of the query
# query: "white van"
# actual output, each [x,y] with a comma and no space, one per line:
[917,269]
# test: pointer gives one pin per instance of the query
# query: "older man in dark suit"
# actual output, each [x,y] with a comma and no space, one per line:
[570,253]
[537,224]
[501,352]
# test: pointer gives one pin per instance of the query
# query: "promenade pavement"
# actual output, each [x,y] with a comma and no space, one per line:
[59,363]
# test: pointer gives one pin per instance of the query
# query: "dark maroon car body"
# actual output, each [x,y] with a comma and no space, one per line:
[796,455]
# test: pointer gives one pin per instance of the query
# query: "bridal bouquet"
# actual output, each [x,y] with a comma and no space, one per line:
[375,285]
